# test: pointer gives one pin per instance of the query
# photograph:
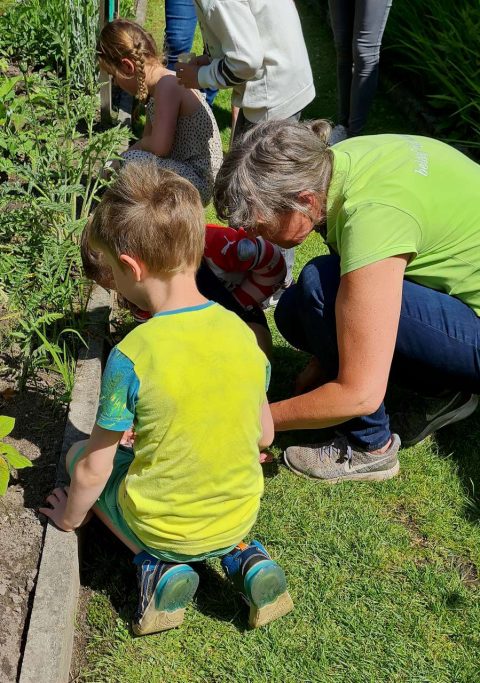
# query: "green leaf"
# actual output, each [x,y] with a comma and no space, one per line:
[4,476]
[6,425]
[14,458]
[7,85]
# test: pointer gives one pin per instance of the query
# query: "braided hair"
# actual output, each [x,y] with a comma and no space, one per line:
[120,39]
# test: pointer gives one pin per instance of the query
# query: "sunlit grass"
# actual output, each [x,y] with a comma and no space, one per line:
[384,576]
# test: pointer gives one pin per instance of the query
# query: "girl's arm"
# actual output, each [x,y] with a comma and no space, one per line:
[159,136]
[147,131]
[89,477]
[367,315]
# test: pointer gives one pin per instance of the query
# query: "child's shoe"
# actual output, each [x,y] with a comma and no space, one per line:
[260,580]
[165,590]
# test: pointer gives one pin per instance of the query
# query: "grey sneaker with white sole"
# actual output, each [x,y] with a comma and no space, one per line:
[336,460]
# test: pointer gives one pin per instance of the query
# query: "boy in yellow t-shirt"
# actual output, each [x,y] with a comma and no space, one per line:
[191,487]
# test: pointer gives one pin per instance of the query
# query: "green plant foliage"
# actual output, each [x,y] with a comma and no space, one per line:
[10,458]
[59,35]
[127,9]
[53,176]
[440,40]
[52,152]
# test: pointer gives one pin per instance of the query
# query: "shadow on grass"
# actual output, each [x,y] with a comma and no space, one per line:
[106,567]
[460,442]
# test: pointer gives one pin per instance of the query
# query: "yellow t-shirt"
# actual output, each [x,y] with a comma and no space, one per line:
[195,482]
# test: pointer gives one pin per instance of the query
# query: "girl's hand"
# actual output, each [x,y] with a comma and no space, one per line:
[58,502]
[187,75]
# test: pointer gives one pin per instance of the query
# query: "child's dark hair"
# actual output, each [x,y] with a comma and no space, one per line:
[94,266]
[120,39]
[152,214]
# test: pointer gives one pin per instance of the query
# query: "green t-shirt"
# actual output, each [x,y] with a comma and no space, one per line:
[405,194]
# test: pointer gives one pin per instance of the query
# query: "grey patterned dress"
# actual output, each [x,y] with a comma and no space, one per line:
[196,153]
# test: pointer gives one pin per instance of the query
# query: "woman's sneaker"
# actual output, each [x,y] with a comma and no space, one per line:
[165,590]
[260,581]
[427,415]
[336,460]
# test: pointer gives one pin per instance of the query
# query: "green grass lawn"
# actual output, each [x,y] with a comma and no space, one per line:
[384,576]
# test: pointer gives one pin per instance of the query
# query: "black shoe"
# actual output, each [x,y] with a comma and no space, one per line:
[432,414]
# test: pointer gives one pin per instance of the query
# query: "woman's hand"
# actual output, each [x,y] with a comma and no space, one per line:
[201,60]
[187,75]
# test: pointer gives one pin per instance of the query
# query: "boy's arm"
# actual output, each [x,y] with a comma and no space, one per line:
[89,477]
[268,431]
[116,411]
[235,28]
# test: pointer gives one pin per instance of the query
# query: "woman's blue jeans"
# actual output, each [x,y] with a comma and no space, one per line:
[180,23]
[437,347]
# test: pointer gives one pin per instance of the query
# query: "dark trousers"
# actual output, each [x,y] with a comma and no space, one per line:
[358,27]
[437,347]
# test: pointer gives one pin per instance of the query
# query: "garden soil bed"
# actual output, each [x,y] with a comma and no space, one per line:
[38,432]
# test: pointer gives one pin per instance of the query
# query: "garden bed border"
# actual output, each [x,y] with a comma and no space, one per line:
[49,641]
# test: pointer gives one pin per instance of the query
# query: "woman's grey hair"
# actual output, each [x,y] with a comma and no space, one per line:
[266,170]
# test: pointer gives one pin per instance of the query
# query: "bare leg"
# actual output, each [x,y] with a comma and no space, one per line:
[116,532]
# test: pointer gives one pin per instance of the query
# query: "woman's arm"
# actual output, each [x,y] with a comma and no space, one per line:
[367,313]
[159,136]
[235,27]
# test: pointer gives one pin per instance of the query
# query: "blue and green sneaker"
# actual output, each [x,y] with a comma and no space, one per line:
[260,581]
[165,590]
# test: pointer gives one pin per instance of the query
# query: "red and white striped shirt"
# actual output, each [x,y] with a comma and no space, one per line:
[251,268]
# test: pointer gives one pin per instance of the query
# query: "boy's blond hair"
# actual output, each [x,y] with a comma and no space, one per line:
[152,214]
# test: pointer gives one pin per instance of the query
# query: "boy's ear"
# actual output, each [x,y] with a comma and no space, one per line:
[134,265]
[128,67]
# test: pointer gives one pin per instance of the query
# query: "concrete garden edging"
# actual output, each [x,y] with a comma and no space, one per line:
[49,642]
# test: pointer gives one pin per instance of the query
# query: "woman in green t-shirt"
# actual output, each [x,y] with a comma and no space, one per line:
[398,295]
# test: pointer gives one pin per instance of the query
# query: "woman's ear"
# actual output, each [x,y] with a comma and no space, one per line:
[308,198]
[311,202]
[134,264]
[128,67]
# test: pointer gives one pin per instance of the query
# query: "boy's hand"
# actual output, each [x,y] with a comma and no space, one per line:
[58,501]
[311,377]
[187,75]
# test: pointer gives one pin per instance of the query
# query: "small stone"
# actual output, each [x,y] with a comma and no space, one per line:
[3,588]
[30,585]
[17,599]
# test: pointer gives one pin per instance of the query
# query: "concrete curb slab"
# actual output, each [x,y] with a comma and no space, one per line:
[48,649]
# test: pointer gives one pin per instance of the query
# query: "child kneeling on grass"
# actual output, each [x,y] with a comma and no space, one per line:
[190,489]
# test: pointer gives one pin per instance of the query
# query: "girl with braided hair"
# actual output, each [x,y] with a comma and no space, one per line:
[181,133]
